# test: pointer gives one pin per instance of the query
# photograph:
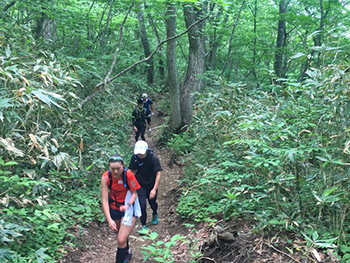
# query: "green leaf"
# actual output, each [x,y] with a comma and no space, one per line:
[10,163]
[40,255]
[329,191]
[6,254]
[325,245]
[273,222]
[314,235]
[298,55]
[159,243]
[8,51]
[5,103]
[322,159]
[153,235]
[48,97]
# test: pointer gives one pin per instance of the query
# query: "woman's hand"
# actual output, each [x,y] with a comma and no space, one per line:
[112,225]
[135,129]
[123,208]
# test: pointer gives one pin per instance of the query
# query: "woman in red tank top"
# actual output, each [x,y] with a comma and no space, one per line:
[113,203]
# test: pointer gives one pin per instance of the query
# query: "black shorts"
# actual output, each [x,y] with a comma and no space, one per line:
[116,214]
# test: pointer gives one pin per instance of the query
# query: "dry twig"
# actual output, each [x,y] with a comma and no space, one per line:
[284,253]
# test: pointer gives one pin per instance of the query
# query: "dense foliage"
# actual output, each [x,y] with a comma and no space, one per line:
[269,141]
[50,153]
[278,154]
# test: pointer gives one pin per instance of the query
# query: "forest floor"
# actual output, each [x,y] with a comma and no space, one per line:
[225,242]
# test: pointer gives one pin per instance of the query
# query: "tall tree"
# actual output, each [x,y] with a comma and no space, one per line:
[254,11]
[161,67]
[230,46]
[145,45]
[193,80]
[39,25]
[173,82]
[104,32]
[7,6]
[214,38]
[281,40]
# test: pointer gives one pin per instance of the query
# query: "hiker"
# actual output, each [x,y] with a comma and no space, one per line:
[118,202]
[147,169]
[139,116]
[148,104]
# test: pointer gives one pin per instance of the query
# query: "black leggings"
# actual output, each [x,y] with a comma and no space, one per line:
[143,195]
[140,131]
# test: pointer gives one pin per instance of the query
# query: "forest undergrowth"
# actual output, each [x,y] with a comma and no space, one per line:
[180,240]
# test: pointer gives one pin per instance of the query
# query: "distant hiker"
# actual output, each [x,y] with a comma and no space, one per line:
[139,116]
[147,169]
[148,104]
[118,202]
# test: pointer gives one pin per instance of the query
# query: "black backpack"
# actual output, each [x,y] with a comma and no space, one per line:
[144,114]
[140,163]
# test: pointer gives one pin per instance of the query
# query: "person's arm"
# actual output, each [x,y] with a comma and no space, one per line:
[131,201]
[152,109]
[133,122]
[156,184]
[105,204]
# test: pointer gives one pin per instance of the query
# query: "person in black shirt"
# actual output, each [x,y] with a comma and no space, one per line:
[139,116]
[147,169]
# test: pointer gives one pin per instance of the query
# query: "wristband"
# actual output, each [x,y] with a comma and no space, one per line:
[129,204]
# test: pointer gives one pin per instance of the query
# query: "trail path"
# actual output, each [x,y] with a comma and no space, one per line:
[99,243]
[235,244]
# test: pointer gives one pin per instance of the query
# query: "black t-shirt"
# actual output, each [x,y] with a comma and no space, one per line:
[146,169]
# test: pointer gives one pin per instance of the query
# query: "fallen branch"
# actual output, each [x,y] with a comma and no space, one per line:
[210,259]
[284,253]
[102,85]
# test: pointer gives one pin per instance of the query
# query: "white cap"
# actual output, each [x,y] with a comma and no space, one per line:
[144,95]
[140,147]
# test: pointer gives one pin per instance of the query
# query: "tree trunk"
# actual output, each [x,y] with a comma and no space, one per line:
[255,13]
[104,33]
[227,62]
[281,40]
[146,45]
[173,82]
[40,20]
[318,38]
[317,42]
[161,67]
[193,79]
[6,7]
[215,39]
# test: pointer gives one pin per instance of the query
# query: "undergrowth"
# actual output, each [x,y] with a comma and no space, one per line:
[278,154]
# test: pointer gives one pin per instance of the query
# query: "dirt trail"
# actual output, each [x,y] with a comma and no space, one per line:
[99,243]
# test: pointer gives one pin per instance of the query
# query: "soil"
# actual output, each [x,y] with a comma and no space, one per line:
[224,242]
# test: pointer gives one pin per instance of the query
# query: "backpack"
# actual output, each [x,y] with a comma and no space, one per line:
[144,114]
[125,180]
[126,185]
[140,163]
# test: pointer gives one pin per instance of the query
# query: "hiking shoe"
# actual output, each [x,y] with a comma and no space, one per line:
[128,256]
[143,230]
[155,219]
